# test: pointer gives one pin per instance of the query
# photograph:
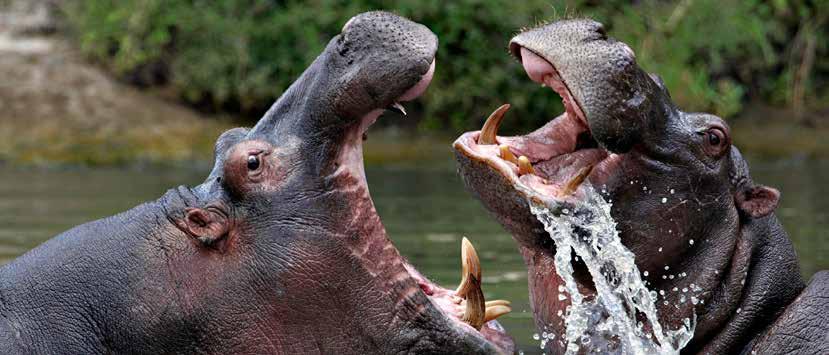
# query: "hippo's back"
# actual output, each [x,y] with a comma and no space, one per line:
[63,296]
[803,328]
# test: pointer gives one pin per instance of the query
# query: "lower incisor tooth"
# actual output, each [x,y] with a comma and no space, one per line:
[524,166]
[495,312]
[571,186]
[497,303]
[506,154]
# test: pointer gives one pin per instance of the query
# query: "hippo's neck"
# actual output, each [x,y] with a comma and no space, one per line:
[761,279]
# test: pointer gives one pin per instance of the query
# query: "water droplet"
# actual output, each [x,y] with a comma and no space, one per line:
[691,242]
[667,267]
[739,310]
[660,249]
[645,273]
[536,336]
[664,200]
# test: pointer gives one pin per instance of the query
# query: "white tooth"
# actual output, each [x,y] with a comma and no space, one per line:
[399,107]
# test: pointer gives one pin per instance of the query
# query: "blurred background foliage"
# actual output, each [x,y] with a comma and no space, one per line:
[237,56]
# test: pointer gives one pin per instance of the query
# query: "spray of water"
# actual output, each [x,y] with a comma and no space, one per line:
[607,322]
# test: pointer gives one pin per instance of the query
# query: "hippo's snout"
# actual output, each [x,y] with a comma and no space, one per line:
[378,61]
[385,59]
[616,98]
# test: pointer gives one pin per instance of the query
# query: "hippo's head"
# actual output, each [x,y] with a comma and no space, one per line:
[289,245]
[680,191]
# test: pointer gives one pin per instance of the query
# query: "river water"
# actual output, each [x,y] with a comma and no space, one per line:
[424,207]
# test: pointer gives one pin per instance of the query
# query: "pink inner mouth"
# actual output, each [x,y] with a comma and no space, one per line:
[558,151]
[446,300]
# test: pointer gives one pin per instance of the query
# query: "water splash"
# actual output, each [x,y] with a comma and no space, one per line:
[608,322]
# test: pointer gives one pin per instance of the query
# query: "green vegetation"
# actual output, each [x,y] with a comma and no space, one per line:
[239,55]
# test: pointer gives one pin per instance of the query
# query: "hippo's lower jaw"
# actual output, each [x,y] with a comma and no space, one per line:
[378,251]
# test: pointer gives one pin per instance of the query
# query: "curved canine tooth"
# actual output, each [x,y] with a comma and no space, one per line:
[571,186]
[491,125]
[524,166]
[497,303]
[495,312]
[470,266]
[475,312]
[506,154]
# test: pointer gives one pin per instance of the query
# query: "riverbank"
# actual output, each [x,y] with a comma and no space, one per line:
[776,133]
[55,108]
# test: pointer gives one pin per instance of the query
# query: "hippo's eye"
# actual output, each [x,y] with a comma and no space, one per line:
[715,136]
[253,162]
[715,140]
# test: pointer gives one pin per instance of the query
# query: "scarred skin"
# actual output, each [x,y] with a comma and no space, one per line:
[715,228]
[280,250]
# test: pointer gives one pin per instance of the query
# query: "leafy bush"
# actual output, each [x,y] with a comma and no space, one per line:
[239,55]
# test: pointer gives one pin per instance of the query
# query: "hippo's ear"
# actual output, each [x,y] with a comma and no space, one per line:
[757,201]
[208,225]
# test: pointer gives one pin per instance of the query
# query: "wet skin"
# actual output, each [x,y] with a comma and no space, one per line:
[682,196]
[280,250]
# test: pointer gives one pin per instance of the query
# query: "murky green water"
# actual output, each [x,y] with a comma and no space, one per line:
[426,212]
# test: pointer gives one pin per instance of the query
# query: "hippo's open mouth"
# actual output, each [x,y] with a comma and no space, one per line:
[552,161]
[549,164]
[464,308]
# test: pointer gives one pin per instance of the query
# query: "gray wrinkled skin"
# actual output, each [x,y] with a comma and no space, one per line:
[742,258]
[284,256]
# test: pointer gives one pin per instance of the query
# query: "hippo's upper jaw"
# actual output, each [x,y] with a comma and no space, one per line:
[683,201]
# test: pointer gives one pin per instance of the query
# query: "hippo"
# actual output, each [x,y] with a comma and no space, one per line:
[279,250]
[682,198]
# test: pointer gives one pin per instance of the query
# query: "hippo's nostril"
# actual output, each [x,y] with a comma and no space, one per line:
[602,33]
